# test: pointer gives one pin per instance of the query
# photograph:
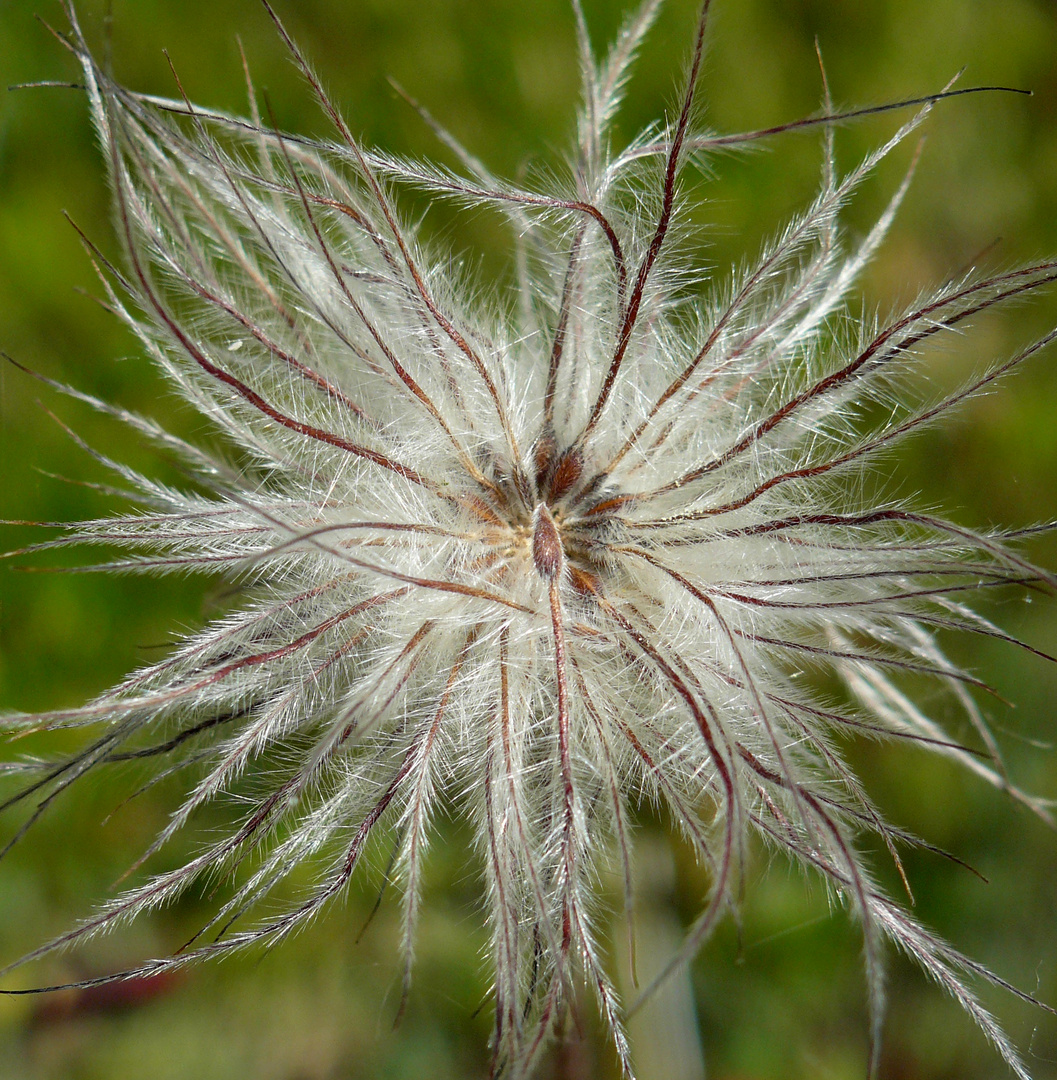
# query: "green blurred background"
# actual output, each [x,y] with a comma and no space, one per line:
[785,999]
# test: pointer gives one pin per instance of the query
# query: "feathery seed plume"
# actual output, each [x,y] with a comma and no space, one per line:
[559,555]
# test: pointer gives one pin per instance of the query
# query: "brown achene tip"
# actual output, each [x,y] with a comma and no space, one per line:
[547,552]
[567,471]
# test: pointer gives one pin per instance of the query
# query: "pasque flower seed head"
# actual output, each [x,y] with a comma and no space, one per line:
[558,554]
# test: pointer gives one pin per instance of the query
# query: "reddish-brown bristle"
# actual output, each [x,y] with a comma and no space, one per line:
[584,582]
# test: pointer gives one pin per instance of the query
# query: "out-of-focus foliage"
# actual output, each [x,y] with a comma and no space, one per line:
[781,999]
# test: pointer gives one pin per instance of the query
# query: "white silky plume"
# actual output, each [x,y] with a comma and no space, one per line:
[559,554]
